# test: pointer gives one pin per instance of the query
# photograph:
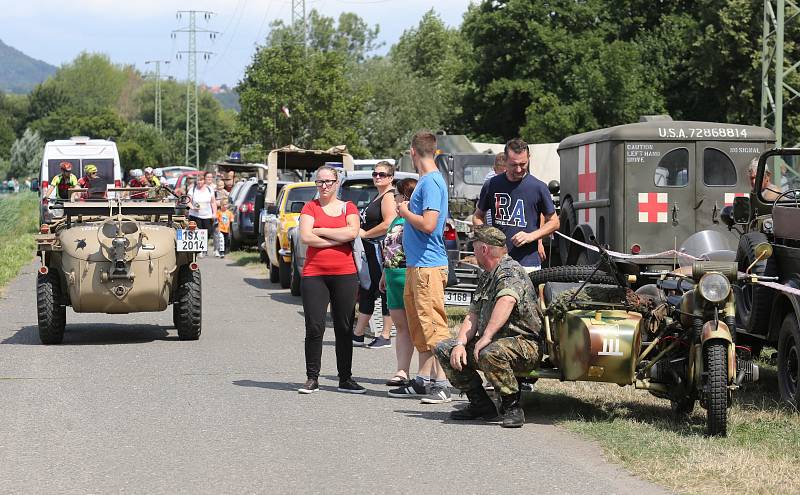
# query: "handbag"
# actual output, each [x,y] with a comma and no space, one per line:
[360,258]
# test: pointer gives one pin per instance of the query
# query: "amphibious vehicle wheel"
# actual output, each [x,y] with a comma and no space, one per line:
[52,315]
[571,273]
[294,285]
[284,273]
[755,303]
[186,310]
[716,388]
[789,360]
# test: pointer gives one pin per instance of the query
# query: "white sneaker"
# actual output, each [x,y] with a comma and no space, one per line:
[216,255]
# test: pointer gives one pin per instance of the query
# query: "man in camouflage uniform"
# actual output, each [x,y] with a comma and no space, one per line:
[499,336]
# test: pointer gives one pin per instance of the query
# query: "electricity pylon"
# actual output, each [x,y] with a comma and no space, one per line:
[157,114]
[192,130]
[776,14]
[299,16]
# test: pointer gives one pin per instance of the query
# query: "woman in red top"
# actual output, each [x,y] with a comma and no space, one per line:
[327,227]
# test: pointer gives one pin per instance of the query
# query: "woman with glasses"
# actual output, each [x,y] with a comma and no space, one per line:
[375,220]
[327,227]
[393,283]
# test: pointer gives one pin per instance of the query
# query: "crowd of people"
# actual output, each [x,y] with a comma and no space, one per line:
[406,262]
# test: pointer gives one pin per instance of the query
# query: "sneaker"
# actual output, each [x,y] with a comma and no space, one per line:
[309,387]
[438,395]
[380,343]
[413,389]
[351,387]
[358,341]
[217,255]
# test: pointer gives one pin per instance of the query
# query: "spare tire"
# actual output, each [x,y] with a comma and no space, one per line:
[755,302]
[571,273]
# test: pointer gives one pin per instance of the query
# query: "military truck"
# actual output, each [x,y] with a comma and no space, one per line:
[119,256]
[769,314]
[302,162]
[646,187]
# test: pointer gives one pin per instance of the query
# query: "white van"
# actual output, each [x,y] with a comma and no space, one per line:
[81,151]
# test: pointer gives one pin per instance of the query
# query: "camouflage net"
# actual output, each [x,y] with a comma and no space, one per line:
[591,293]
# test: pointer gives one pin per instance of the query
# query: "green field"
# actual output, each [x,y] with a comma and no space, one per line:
[19,219]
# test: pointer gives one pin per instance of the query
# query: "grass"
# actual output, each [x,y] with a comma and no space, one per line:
[249,259]
[760,455]
[19,219]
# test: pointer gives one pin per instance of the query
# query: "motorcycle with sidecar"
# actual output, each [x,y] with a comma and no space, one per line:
[671,337]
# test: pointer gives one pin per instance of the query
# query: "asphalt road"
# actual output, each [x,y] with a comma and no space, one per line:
[123,406]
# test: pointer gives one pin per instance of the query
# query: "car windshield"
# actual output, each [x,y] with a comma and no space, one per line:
[304,194]
[360,192]
[782,174]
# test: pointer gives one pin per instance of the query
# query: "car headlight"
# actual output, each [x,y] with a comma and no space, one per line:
[714,287]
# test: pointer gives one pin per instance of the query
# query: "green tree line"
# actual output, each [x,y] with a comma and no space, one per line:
[536,69]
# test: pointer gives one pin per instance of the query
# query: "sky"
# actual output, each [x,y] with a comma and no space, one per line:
[134,31]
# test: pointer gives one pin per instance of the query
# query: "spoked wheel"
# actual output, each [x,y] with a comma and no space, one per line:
[715,357]
[52,315]
[789,360]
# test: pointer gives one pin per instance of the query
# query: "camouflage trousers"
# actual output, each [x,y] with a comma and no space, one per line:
[498,361]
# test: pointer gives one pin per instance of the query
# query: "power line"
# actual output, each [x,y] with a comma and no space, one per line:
[192,127]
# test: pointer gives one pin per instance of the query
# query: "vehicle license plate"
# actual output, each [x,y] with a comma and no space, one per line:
[192,240]
[457,298]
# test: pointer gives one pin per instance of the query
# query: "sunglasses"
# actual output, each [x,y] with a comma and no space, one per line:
[325,183]
[382,175]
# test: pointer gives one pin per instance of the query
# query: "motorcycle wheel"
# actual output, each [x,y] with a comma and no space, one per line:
[715,358]
[789,360]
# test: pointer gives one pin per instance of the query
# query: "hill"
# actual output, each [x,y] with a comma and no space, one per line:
[19,73]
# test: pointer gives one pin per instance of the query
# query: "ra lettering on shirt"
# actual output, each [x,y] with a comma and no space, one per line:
[515,207]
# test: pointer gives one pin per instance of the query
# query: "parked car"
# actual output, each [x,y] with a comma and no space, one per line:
[276,221]
[358,187]
[180,182]
[245,208]
[171,174]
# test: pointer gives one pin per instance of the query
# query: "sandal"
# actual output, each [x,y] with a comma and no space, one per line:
[397,381]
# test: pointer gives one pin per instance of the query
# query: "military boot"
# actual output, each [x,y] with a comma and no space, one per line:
[480,407]
[513,415]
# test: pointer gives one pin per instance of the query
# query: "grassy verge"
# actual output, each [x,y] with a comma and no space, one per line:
[19,218]
[249,259]
[760,455]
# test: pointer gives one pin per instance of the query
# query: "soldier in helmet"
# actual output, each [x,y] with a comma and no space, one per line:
[500,335]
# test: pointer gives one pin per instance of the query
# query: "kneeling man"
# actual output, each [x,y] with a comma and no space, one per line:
[500,334]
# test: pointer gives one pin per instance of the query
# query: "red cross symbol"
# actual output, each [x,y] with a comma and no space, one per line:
[729,197]
[653,207]
[587,179]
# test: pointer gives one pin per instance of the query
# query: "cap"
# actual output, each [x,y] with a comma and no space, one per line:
[66,165]
[491,236]
[90,168]
[135,172]
[148,170]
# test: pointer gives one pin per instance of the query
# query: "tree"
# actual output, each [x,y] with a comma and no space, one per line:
[324,110]
[92,82]
[102,123]
[26,155]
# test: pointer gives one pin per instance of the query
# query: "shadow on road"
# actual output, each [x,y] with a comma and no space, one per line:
[286,298]
[258,283]
[96,334]
[293,386]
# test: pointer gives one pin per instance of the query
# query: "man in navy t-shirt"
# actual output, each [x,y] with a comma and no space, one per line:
[516,202]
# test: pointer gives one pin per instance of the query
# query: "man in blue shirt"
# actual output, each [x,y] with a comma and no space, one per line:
[426,272]
[517,202]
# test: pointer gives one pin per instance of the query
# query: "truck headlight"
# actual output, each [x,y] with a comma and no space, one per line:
[714,287]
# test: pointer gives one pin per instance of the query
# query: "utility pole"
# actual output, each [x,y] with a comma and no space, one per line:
[192,131]
[299,16]
[157,114]
[776,14]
